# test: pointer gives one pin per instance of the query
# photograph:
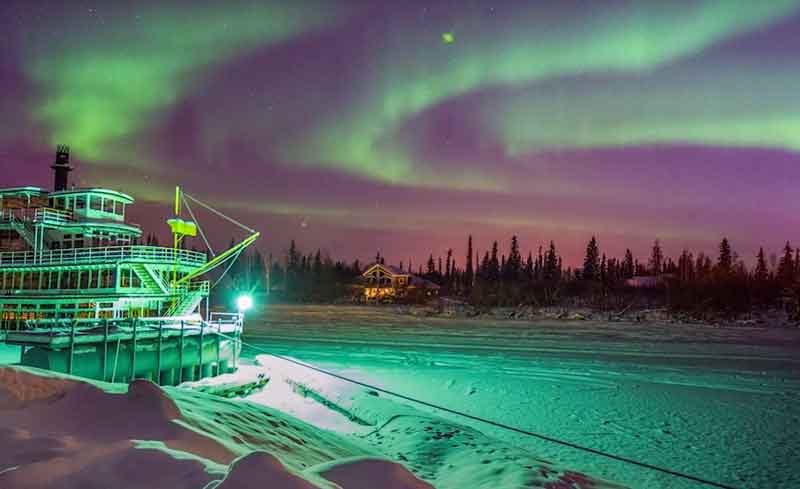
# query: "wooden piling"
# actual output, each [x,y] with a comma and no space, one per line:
[180,357]
[71,346]
[158,356]
[219,330]
[133,352]
[105,349]
[200,352]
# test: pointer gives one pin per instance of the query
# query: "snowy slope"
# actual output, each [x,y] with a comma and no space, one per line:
[65,433]
[446,454]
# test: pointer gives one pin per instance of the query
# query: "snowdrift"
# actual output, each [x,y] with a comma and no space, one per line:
[57,431]
[60,431]
[444,453]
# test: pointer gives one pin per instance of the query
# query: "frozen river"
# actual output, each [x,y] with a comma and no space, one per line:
[721,404]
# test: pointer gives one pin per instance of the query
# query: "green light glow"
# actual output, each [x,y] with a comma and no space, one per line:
[244,303]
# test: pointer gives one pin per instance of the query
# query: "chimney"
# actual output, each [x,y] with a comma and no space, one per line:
[61,168]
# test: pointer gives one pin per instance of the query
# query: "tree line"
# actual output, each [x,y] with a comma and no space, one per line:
[695,283]
[295,277]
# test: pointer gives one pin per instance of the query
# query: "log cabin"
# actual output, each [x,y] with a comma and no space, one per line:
[387,283]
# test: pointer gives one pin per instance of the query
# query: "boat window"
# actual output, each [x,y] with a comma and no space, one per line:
[120,209]
[95,203]
[84,280]
[106,279]
[54,280]
[63,282]
[125,277]
[108,206]
[80,202]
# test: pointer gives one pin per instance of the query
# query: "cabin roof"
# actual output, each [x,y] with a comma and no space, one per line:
[23,190]
[394,271]
[94,190]
[391,269]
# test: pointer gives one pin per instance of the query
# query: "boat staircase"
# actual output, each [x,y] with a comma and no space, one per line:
[24,229]
[189,297]
[150,279]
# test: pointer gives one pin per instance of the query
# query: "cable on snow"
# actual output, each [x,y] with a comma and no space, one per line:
[490,422]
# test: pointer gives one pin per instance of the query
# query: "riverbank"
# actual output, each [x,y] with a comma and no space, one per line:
[553,323]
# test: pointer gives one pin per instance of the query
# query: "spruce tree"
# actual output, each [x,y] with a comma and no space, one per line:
[796,262]
[591,263]
[529,268]
[725,260]
[513,265]
[483,269]
[448,269]
[628,266]
[551,263]
[761,274]
[538,271]
[604,269]
[431,265]
[468,271]
[786,266]
[656,259]
[686,266]
[493,273]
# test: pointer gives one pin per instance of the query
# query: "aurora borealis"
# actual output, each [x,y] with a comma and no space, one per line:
[403,126]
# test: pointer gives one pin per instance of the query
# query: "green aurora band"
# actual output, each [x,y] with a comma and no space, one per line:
[103,91]
[635,40]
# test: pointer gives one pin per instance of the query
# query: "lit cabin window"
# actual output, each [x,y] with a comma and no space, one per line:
[80,202]
[108,206]
[120,209]
[95,203]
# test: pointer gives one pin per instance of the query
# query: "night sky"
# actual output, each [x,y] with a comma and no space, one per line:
[405,125]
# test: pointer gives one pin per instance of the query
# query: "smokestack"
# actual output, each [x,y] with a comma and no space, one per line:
[61,168]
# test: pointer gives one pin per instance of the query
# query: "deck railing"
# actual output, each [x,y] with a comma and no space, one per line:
[46,215]
[106,254]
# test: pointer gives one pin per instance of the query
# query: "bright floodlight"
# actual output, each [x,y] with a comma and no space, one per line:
[244,302]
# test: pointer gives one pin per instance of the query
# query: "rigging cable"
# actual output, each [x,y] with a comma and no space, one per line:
[232,260]
[220,214]
[197,223]
[497,424]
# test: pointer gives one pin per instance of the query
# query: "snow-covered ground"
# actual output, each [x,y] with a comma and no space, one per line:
[61,432]
[717,403]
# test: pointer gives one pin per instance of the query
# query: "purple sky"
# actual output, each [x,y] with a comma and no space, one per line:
[357,127]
